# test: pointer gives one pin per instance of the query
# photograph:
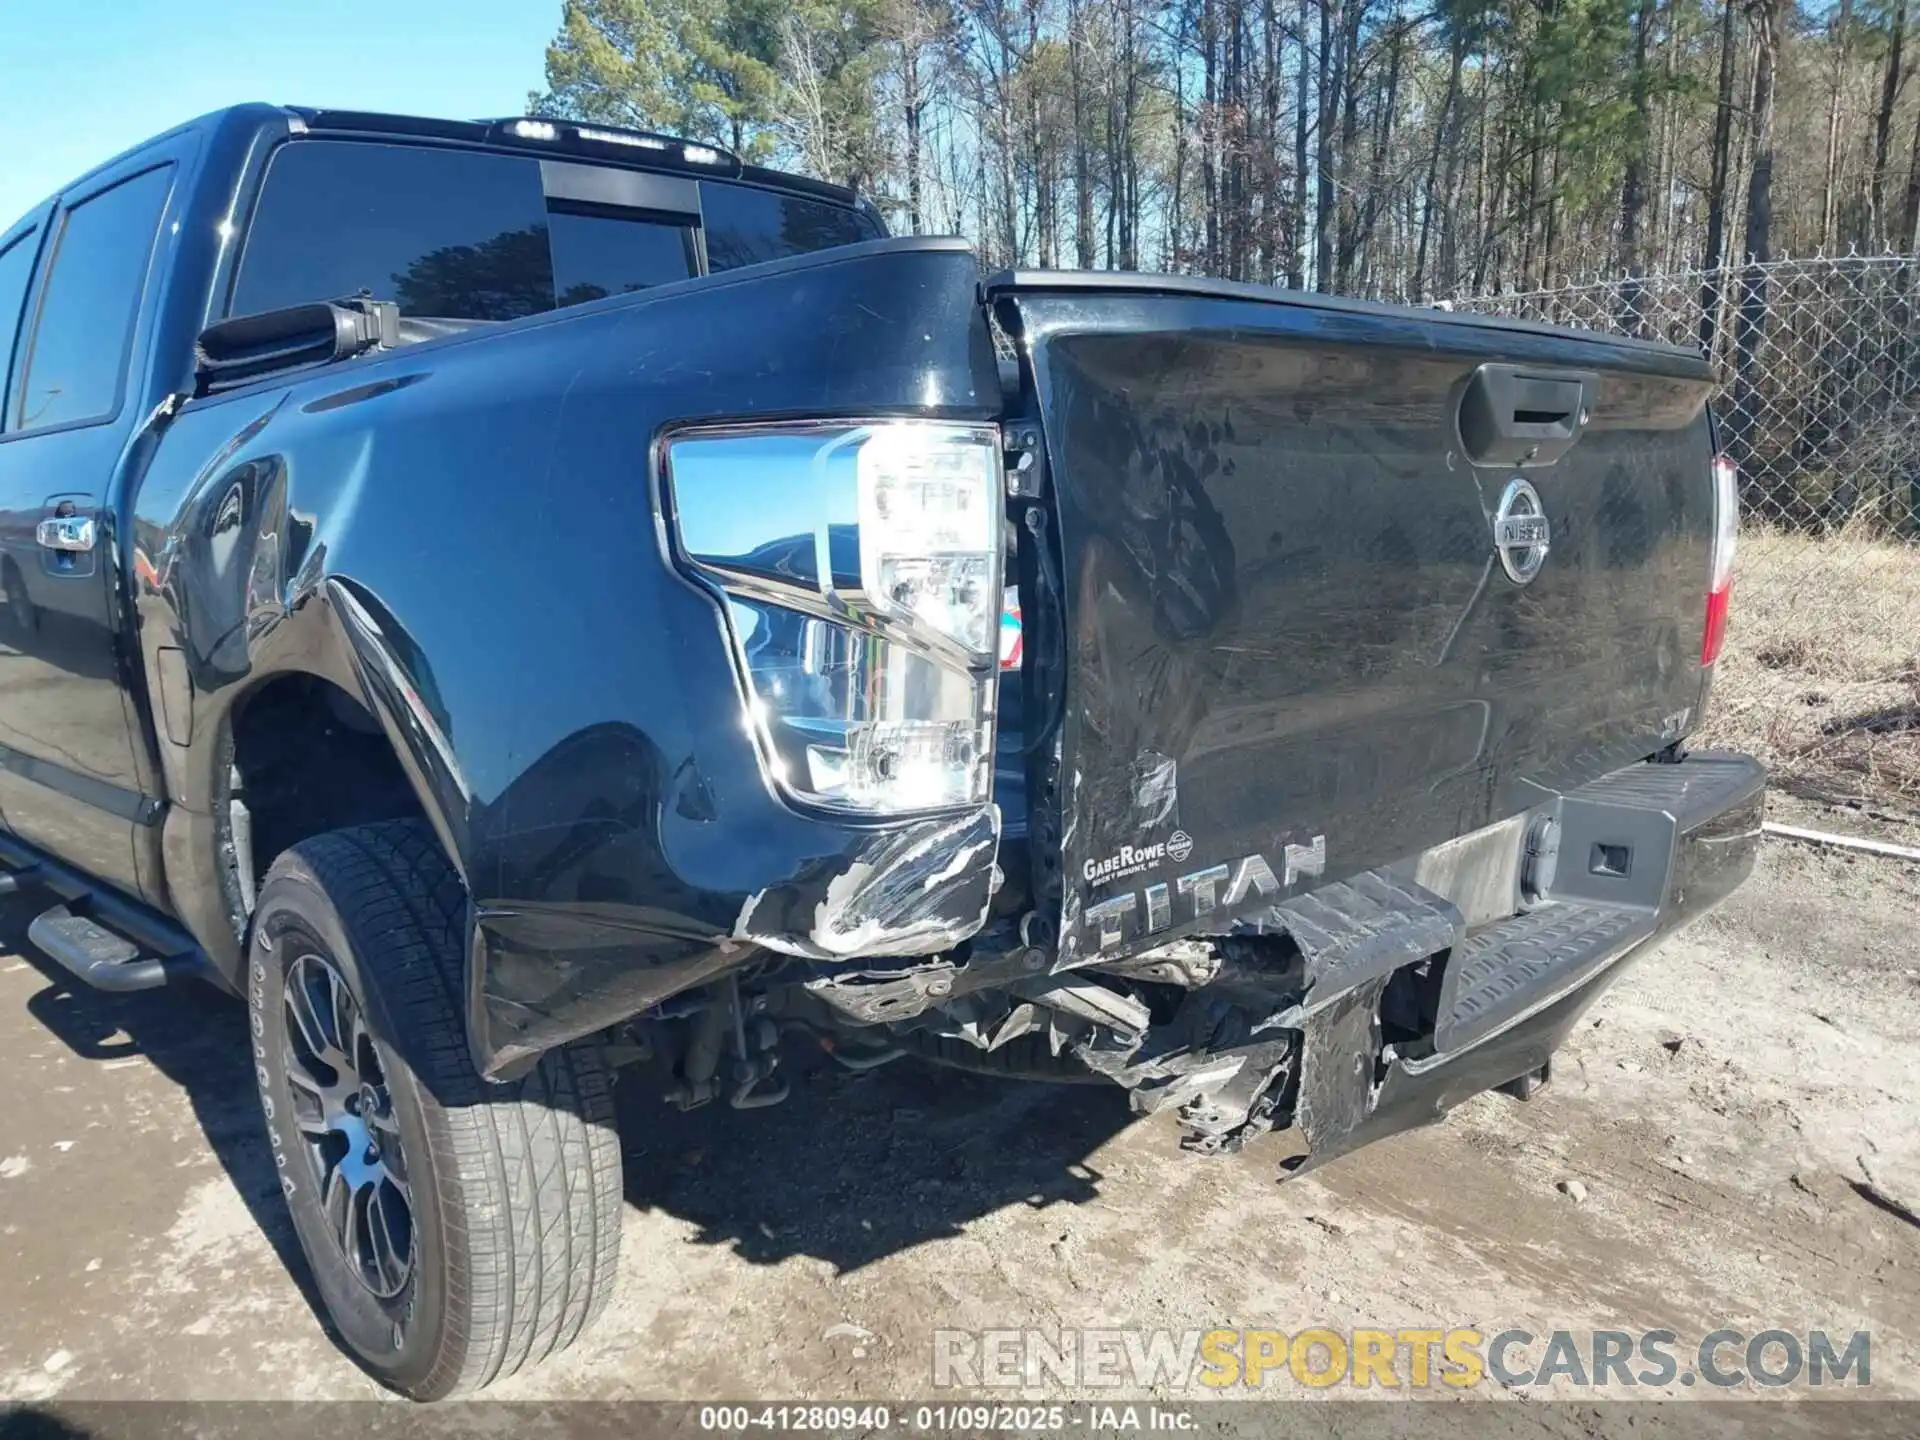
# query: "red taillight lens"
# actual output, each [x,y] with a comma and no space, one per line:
[1726,534]
[1716,624]
[1010,629]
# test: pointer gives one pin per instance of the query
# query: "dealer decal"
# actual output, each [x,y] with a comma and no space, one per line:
[1200,893]
[1137,859]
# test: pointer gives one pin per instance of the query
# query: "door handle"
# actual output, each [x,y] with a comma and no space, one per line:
[1511,415]
[72,533]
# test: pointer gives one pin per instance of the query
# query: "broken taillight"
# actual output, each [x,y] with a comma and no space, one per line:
[1726,529]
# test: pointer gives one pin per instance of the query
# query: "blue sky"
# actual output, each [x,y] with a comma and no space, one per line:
[80,80]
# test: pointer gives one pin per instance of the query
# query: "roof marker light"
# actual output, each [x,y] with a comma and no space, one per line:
[533,130]
[615,137]
[700,155]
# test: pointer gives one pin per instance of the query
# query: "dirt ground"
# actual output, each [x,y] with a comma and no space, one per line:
[1742,1110]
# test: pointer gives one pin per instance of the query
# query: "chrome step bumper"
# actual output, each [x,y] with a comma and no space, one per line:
[1637,855]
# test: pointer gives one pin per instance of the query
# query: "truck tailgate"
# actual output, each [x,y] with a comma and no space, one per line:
[1292,648]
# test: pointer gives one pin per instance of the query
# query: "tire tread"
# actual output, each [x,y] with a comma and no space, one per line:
[530,1189]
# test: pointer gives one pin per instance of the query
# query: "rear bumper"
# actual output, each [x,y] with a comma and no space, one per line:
[1513,990]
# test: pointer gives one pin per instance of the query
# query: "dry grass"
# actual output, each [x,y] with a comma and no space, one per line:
[1821,677]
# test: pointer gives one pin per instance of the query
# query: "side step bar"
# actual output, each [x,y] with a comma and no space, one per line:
[110,942]
[95,954]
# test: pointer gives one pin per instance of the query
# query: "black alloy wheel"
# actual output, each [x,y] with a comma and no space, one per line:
[344,1113]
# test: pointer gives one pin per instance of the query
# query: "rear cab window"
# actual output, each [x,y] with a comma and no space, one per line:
[443,233]
[747,225]
[472,235]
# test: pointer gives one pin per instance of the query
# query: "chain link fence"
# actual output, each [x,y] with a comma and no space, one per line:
[1819,405]
[1820,365]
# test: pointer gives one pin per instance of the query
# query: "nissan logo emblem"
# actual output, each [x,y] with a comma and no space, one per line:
[1521,531]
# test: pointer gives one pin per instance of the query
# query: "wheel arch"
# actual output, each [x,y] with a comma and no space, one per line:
[350,671]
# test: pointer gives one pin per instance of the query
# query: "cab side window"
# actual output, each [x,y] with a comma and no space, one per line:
[16,272]
[76,356]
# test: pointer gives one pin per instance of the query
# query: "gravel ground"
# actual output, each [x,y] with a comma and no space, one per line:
[1737,1119]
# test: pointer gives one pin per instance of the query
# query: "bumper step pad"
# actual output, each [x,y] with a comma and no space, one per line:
[1360,929]
[1708,783]
[1513,968]
[1370,925]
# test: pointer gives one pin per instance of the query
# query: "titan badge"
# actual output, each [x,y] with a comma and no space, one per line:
[1200,892]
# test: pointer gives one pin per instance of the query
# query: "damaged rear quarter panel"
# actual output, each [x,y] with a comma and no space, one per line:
[488,502]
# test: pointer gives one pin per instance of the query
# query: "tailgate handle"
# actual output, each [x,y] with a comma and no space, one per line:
[1511,415]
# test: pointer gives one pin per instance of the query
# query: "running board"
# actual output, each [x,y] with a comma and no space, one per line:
[95,954]
[106,939]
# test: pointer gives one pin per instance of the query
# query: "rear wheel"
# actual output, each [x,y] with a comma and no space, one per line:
[457,1230]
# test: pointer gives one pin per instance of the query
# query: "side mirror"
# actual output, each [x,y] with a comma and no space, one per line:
[252,347]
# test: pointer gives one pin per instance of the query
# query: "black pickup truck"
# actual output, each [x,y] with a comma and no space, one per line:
[511,598]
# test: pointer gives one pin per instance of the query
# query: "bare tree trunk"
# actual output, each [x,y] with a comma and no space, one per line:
[1716,251]
[1296,262]
[1009,202]
[1210,131]
[1842,46]
[910,104]
[1909,238]
[1130,159]
[1429,201]
[1349,88]
[1551,239]
[1045,197]
[1269,174]
[1750,328]
[1661,231]
[1534,122]
[1323,159]
[1452,186]
[1633,186]
[1358,249]
[1178,257]
[1115,177]
[1082,162]
[1486,262]
[1883,126]
[1234,198]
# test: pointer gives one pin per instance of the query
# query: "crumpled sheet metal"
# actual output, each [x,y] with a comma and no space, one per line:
[917,890]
